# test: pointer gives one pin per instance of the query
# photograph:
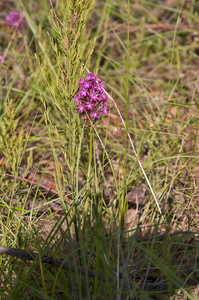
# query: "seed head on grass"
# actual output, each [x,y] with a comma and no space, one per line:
[92,100]
[14,19]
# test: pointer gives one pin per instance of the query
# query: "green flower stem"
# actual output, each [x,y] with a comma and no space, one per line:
[86,205]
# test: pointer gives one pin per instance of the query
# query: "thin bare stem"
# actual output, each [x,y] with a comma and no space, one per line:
[55,15]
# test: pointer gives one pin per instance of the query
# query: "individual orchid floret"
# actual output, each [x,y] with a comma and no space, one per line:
[94,115]
[82,93]
[1,58]
[76,99]
[105,110]
[94,97]
[89,106]
[91,98]
[81,108]
[82,81]
[14,19]
[91,76]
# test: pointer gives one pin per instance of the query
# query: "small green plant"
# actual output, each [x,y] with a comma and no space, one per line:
[11,141]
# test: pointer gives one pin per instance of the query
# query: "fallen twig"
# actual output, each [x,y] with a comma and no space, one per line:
[55,262]
[36,183]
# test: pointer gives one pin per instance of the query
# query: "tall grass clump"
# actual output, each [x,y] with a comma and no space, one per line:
[110,209]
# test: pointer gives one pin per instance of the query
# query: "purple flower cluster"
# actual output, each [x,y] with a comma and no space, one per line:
[91,98]
[14,19]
